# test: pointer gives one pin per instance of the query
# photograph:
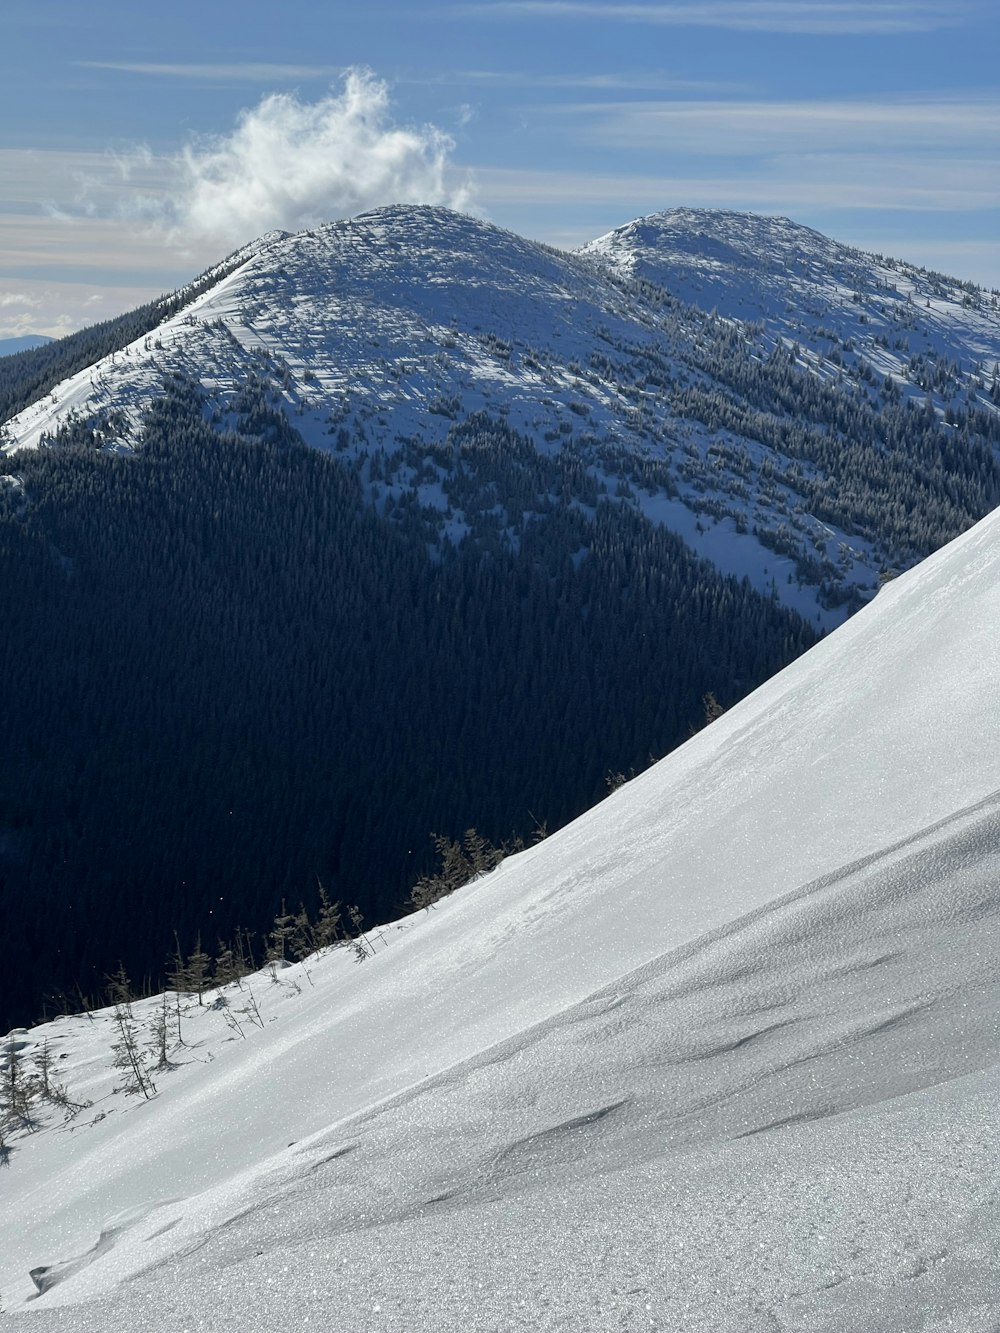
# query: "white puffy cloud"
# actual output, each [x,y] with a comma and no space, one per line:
[294,164]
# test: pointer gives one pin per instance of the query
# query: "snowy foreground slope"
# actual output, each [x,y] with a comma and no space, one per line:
[719,1056]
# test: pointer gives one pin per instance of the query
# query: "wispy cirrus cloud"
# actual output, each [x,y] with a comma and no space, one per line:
[56,276]
[54,246]
[234,72]
[751,127]
[865,182]
[809,17]
[632,80]
[56,308]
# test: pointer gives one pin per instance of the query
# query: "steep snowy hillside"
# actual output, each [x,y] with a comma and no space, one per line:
[809,289]
[719,1057]
[798,412]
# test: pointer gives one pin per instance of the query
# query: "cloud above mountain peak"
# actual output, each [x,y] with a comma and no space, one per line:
[291,164]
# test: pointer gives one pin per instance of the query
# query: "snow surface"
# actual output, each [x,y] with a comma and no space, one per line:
[719,1057]
[798,283]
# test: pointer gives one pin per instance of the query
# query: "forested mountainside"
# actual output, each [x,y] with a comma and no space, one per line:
[236,665]
[229,678]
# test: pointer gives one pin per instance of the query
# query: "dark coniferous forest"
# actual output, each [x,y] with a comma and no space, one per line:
[228,678]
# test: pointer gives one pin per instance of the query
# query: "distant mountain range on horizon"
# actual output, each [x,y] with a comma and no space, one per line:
[25,343]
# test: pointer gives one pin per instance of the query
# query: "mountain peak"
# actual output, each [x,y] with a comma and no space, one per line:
[714,236]
[645,353]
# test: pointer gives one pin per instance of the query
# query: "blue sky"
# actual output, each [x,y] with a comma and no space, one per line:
[140,143]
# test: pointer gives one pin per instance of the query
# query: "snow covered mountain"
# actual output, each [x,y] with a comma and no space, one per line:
[799,412]
[719,1057]
[800,283]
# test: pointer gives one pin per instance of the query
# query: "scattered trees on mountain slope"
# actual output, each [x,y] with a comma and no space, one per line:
[226,675]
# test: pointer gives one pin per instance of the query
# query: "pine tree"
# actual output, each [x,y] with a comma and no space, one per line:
[120,989]
[226,965]
[244,950]
[302,940]
[177,973]
[46,1086]
[326,932]
[480,853]
[360,943]
[281,932]
[241,954]
[198,969]
[129,1057]
[713,709]
[179,982]
[15,1091]
[42,1074]
[159,1045]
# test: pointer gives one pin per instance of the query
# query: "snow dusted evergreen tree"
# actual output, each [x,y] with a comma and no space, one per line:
[199,971]
[159,1045]
[327,931]
[280,936]
[15,1088]
[130,1058]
